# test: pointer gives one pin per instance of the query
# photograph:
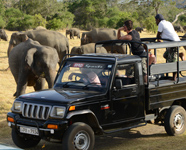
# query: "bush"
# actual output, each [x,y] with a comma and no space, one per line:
[12,24]
[55,24]
[2,23]
[103,22]
[124,16]
[112,22]
[13,13]
[21,23]
[150,24]
[66,17]
[27,22]
[39,21]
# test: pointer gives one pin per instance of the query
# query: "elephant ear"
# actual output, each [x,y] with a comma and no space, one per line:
[23,37]
[29,58]
[88,39]
[80,50]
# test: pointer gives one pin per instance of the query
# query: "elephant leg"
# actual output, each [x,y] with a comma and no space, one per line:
[40,84]
[121,49]
[22,80]
[21,86]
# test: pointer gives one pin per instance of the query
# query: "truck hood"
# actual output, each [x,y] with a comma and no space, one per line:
[60,95]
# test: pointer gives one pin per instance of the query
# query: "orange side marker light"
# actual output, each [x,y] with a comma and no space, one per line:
[72,108]
[52,126]
[10,119]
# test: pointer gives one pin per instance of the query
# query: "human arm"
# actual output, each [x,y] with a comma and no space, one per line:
[125,37]
[158,36]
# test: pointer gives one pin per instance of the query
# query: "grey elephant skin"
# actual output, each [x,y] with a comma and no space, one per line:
[67,32]
[44,37]
[88,48]
[3,35]
[31,63]
[102,34]
[139,29]
[73,32]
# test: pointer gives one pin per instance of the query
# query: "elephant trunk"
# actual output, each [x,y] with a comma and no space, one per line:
[9,49]
[50,77]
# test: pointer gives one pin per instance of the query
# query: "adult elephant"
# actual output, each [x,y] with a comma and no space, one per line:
[31,63]
[44,37]
[87,48]
[3,35]
[102,34]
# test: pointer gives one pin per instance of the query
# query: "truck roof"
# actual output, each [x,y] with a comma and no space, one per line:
[119,58]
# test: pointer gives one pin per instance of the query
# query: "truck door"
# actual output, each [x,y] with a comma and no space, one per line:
[126,102]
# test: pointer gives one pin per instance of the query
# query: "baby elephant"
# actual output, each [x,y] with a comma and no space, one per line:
[32,63]
[88,48]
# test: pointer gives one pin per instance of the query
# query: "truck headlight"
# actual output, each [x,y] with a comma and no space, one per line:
[17,106]
[58,112]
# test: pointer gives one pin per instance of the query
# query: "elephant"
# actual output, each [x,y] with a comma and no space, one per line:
[139,29]
[44,37]
[87,48]
[102,34]
[74,32]
[31,63]
[67,32]
[40,28]
[3,35]
[178,29]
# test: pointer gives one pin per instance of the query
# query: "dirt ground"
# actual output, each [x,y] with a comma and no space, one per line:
[150,137]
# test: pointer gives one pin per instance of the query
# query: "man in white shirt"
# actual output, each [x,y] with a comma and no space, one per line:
[166,31]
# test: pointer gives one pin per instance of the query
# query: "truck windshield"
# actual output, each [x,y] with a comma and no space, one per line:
[85,75]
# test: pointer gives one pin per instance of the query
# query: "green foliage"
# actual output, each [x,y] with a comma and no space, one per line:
[2,23]
[103,22]
[2,8]
[55,24]
[21,23]
[27,22]
[123,17]
[150,24]
[66,17]
[112,22]
[182,20]
[13,24]
[13,13]
[86,14]
[39,21]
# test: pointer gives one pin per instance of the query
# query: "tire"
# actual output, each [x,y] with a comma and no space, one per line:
[175,120]
[23,142]
[79,136]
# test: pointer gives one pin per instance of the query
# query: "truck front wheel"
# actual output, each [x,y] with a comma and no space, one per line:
[175,120]
[23,142]
[79,136]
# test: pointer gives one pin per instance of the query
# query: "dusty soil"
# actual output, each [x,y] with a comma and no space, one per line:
[150,137]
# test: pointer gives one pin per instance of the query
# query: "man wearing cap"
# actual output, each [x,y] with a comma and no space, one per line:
[166,31]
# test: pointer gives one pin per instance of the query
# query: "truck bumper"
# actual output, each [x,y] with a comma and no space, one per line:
[41,126]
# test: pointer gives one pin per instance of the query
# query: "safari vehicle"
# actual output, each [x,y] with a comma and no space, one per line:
[73,112]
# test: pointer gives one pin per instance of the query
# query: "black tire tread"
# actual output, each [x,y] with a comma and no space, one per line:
[168,127]
[66,145]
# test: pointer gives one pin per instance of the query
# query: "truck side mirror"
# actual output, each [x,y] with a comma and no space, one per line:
[118,83]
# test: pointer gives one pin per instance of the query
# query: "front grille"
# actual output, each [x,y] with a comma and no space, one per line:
[36,111]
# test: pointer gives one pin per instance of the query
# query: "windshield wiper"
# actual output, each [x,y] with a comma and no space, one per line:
[66,84]
[86,86]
